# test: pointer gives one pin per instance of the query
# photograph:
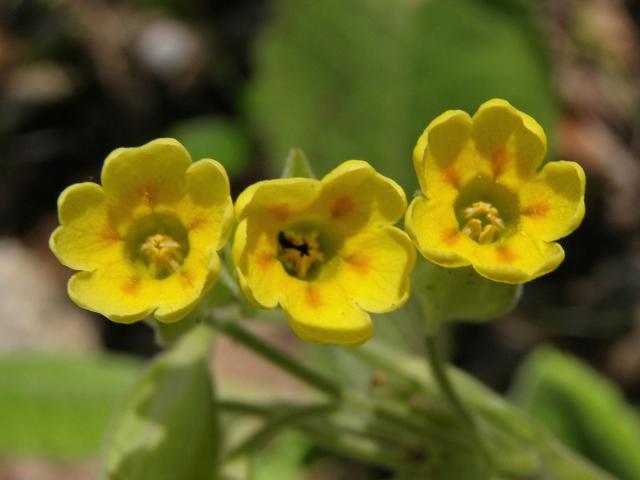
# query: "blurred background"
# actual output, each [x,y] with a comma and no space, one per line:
[243,81]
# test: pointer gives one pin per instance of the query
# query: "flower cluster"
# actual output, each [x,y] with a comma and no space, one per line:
[326,251]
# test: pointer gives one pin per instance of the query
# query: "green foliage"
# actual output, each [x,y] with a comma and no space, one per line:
[214,137]
[447,294]
[517,445]
[167,427]
[284,458]
[361,79]
[582,409]
[56,405]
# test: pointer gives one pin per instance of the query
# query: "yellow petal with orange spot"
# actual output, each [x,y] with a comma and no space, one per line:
[146,176]
[323,312]
[355,195]
[512,142]
[84,240]
[207,209]
[517,259]
[375,268]
[434,228]
[552,204]
[277,200]
[122,294]
[255,255]
[445,159]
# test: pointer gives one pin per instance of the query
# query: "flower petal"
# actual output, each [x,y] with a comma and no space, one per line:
[518,259]
[322,312]
[207,210]
[376,267]
[119,292]
[444,157]
[255,255]
[84,240]
[277,200]
[434,229]
[512,142]
[181,292]
[552,204]
[112,291]
[147,176]
[354,195]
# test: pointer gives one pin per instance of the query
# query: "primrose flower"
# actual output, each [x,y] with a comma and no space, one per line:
[485,201]
[325,250]
[147,239]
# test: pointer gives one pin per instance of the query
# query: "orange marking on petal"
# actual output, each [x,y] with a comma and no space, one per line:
[539,209]
[198,221]
[449,236]
[264,260]
[109,235]
[131,286]
[343,206]
[360,263]
[186,278]
[281,211]
[505,255]
[148,194]
[499,162]
[313,298]
[451,176]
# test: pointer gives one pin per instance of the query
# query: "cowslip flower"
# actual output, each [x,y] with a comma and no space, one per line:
[325,250]
[485,201]
[145,241]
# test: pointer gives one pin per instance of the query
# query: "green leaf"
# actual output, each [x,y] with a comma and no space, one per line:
[284,458]
[447,294]
[363,78]
[297,165]
[56,405]
[167,427]
[583,409]
[217,138]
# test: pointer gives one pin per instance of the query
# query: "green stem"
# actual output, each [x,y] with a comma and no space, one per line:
[278,422]
[442,379]
[357,448]
[278,357]
[329,434]
[440,375]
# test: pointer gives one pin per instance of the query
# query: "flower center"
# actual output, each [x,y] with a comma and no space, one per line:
[299,251]
[483,222]
[163,254]
[157,245]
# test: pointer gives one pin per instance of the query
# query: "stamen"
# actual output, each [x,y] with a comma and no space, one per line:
[484,223]
[162,252]
[299,252]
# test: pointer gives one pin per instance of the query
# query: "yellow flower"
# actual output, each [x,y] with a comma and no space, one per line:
[145,240]
[325,250]
[485,201]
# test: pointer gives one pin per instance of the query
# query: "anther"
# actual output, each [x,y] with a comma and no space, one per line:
[484,223]
[162,252]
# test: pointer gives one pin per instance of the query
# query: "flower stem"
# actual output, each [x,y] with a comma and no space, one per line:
[442,379]
[332,435]
[278,357]
[440,374]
